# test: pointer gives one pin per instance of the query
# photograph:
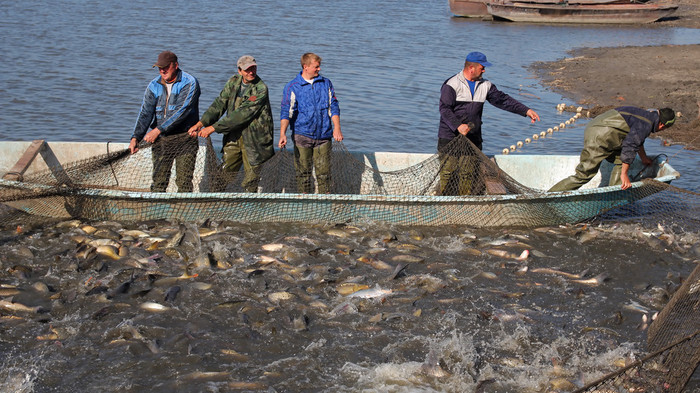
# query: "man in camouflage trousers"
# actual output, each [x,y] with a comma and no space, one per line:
[617,136]
[247,126]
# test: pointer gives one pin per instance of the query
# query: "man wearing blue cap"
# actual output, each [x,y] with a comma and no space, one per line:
[462,100]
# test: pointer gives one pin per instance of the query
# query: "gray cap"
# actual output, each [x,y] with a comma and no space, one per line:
[246,62]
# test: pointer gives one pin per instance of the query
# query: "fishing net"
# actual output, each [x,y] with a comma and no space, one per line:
[458,185]
[674,344]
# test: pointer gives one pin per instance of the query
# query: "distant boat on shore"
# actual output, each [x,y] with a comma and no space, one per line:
[580,11]
[469,8]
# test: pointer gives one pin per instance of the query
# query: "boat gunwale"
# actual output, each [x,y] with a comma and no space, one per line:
[435,199]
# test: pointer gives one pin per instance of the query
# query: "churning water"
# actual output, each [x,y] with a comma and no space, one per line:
[270,314]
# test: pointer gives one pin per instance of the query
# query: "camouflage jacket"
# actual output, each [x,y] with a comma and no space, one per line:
[250,119]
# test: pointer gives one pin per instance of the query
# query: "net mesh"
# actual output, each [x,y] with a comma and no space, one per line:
[673,341]
[458,185]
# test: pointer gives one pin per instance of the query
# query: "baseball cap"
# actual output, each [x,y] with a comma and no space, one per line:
[165,58]
[246,62]
[478,57]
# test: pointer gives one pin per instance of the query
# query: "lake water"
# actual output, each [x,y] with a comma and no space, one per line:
[76,71]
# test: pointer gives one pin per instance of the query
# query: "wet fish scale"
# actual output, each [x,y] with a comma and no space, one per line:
[401,326]
[406,258]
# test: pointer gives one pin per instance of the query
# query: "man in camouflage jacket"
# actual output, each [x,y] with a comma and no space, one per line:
[616,136]
[247,126]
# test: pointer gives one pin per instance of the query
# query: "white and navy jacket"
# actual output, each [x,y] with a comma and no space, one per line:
[459,106]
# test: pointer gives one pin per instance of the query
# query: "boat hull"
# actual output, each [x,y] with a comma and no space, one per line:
[628,13]
[476,211]
[537,208]
[469,8]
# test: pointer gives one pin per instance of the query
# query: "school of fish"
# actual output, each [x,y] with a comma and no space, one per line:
[169,306]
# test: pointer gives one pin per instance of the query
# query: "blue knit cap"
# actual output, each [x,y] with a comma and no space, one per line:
[478,57]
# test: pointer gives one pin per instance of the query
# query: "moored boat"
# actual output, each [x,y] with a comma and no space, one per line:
[469,8]
[585,12]
[136,202]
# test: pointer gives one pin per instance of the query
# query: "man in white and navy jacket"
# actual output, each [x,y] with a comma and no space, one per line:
[462,100]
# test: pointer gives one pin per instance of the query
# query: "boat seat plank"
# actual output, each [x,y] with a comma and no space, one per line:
[16,173]
[55,165]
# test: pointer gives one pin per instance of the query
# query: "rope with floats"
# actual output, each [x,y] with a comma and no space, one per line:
[549,131]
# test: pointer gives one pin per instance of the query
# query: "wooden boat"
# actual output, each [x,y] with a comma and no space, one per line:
[582,11]
[570,2]
[513,210]
[469,8]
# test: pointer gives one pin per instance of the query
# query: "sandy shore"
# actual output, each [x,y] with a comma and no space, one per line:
[649,77]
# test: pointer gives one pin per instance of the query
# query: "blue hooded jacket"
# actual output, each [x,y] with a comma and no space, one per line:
[310,106]
[459,106]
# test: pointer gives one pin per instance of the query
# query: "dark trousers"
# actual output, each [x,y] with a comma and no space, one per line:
[181,149]
[459,168]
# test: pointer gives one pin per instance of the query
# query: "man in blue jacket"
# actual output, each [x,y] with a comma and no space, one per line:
[310,109]
[462,99]
[616,136]
[170,107]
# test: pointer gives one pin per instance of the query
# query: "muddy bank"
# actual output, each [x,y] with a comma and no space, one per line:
[687,15]
[651,77]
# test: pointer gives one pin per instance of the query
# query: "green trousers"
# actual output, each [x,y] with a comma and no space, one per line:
[180,149]
[458,174]
[602,140]
[306,159]
[234,157]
